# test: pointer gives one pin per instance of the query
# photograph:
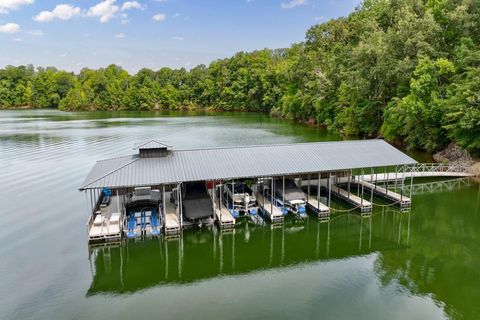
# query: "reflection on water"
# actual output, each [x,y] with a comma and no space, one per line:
[198,255]
[394,266]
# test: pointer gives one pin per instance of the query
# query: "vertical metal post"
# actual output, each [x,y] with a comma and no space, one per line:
[319,185]
[271,199]
[164,205]
[233,196]
[329,188]
[371,189]
[387,176]
[118,203]
[283,193]
[91,201]
[263,197]
[308,187]
[401,185]
[221,195]
[318,193]
[214,198]
[180,203]
[349,178]
[411,186]
[361,200]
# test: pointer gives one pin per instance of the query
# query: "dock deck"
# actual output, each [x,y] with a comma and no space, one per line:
[273,212]
[172,223]
[404,202]
[322,211]
[364,205]
[223,216]
[105,224]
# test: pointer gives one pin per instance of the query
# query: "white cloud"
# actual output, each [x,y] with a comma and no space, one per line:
[159,17]
[178,38]
[176,15]
[36,32]
[61,12]
[120,35]
[9,28]
[63,55]
[17,40]
[7,5]
[132,5]
[320,18]
[293,3]
[105,10]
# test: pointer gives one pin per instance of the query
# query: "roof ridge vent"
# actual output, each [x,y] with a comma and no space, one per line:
[152,149]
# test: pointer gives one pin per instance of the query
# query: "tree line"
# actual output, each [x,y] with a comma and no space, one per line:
[407,70]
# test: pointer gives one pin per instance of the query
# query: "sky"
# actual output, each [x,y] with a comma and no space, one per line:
[74,34]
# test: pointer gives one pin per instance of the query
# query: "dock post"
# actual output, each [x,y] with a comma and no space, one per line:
[329,188]
[318,192]
[411,186]
[308,187]
[263,197]
[371,189]
[361,199]
[387,176]
[221,197]
[349,178]
[271,198]
[401,185]
[91,201]
[358,189]
[163,205]
[283,192]
[118,203]
[213,196]
[233,196]
[180,204]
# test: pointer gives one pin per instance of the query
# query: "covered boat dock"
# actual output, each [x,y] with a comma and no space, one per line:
[160,173]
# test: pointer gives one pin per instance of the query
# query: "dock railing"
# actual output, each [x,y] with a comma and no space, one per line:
[434,167]
[434,186]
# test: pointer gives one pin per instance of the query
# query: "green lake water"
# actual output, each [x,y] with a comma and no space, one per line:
[419,265]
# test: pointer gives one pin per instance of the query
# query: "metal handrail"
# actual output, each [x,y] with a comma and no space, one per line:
[435,186]
[433,167]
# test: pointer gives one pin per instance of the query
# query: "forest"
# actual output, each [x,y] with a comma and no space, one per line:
[404,70]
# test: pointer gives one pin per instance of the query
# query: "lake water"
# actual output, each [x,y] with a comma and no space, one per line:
[421,265]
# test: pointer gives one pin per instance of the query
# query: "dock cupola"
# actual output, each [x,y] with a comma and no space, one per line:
[153,149]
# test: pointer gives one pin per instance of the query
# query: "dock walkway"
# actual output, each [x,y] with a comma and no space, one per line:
[172,223]
[364,205]
[273,212]
[322,211]
[105,224]
[404,202]
[223,216]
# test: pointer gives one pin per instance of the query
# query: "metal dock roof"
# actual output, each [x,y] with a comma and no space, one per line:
[242,162]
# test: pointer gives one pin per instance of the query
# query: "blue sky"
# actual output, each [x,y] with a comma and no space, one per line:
[71,35]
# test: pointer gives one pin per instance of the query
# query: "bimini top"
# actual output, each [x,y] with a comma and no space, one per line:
[242,162]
